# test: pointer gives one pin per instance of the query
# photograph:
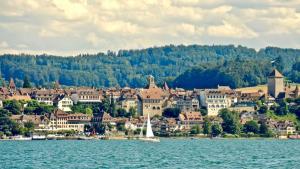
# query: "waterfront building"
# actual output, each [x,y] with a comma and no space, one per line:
[59,120]
[40,122]
[189,119]
[214,100]
[77,121]
[152,100]
[64,103]
[106,118]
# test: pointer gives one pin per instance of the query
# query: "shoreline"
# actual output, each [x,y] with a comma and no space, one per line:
[134,138]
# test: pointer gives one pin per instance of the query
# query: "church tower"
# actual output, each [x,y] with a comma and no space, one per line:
[275,83]
[151,82]
[12,85]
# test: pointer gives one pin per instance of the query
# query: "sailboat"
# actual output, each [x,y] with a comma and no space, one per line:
[149,133]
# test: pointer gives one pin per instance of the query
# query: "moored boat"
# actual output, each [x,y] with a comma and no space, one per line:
[21,138]
[149,133]
[38,137]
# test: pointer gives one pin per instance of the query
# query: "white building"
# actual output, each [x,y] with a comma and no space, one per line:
[64,103]
[214,100]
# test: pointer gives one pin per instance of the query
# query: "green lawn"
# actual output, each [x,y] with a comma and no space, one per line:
[290,117]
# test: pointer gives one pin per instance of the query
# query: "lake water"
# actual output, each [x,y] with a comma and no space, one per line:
[169,153]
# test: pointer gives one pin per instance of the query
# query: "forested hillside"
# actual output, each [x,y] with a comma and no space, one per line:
[234,73]
[241,66]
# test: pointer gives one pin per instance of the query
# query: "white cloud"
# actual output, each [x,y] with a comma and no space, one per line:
[22,46]
[66,26]
[230,30]
[93,39]
[71,9]
[3,44]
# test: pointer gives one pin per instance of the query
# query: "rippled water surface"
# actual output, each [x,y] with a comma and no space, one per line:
[169,153]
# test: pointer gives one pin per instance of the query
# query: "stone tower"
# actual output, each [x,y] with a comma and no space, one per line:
[275,83]
[151,82]
[12,85]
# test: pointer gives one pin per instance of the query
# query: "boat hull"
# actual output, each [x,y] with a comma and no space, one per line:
[149,139]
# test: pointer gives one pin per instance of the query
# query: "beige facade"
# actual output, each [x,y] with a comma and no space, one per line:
[63,121]
[152,100]
[127,101]
[65,104]
[214,100]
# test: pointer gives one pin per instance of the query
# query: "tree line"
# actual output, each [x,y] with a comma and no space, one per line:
[167,63]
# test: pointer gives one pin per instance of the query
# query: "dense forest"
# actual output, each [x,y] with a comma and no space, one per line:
[181,66]
[234,73]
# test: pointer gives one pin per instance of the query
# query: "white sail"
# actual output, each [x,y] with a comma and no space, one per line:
[141,132]
[149,129]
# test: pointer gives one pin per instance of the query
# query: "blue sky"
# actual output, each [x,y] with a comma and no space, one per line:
[70,27]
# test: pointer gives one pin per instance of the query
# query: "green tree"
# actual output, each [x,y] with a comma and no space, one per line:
[121,126]
[263,129]
[203,112]
[29,125]
[207,126]
[278,64]
[88,111]
[217,65]
[216,129]
[231,122]
[13,106]
[99,128]
[8,126]
[263,109]
[105,105]
[132,112]
[282,109]
[112,108]
[121,112]
[28,128]
[251,126]
[195,129]
[26,83]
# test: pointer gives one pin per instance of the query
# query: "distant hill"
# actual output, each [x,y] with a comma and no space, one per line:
[168,63]
[234,73]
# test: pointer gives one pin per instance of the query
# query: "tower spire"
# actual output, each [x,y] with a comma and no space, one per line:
[12,84]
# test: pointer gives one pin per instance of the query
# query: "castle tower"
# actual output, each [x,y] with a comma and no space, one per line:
[12,84]
[275,83]
[151,82]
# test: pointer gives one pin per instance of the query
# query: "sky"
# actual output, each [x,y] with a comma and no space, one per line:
[71,27]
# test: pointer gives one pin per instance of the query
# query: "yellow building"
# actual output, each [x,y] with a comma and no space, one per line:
[152,100]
